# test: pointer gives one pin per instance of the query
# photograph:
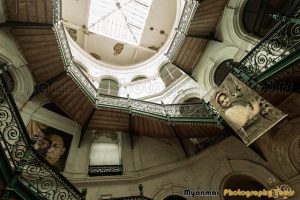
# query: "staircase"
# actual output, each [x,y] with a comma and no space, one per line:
[24,169]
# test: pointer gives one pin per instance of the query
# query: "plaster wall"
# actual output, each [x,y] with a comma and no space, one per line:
[2,15]
[162,168]
[202,172]
[9,49]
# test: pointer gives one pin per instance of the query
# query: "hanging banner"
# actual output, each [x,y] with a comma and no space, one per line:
[51,143]
[244,110]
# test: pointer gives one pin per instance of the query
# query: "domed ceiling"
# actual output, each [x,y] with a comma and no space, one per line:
[120,32]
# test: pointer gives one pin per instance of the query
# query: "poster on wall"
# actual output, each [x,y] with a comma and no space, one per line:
[244,110]
[51,143]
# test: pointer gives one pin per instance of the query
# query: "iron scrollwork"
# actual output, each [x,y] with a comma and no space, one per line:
[12,140]
[105,170]
[187,110]
[39,176]
[283,41]
[184,23]
[31,169]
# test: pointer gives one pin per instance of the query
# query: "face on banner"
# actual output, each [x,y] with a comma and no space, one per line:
[51,143]
[244,110]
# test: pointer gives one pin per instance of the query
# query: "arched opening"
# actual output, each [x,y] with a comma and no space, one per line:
[174,197]
[244,183]
[169,73]
[222,71]
[138,78]
[109,87]
[9,80]
[105,154]
[257,15]
[192,100]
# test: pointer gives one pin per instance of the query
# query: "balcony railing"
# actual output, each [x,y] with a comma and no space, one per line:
[280,43]
[105,170]
[189,10]
[183,113]
[30,169]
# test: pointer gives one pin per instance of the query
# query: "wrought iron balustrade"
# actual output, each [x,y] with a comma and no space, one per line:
[30,169]
[282,41]
[188,112]
[188,12]
[105,170]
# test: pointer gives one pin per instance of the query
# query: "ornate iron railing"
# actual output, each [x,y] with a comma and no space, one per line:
[192,112]
[33,171]
[188,12]
[105,170]
[176,112]
[282,41]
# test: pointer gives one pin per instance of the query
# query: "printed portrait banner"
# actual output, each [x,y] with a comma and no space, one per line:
[244,110]
[51,143]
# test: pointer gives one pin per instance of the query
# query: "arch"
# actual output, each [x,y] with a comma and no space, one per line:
[9,50]
[245,183]
[221,71]
[231,29]
[169,73]
[257,19]
[138,78]
[167,190]
[109,86]
[23,85]
[9,80]
[195,92]
[242,167]
[174,197]
[285,147]
[192,100]
[214,55]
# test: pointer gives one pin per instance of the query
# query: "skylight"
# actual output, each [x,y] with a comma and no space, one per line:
[122,20]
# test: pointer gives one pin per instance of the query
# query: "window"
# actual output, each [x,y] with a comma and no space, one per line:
[169,73]
[109,87]
[123,20]
[192,100]
[105,154]
[257,18]
[222,71]
[139,78]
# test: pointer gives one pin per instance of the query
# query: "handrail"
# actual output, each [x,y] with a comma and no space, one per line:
[184,113]
[282,41]
[34,171]
[188,12]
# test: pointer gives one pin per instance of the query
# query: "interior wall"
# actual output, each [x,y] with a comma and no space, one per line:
[9,49]
[2,15]
[205,171]
[23,81]
[234,44]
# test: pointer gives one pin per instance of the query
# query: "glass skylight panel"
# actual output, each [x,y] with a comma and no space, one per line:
[119,19]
